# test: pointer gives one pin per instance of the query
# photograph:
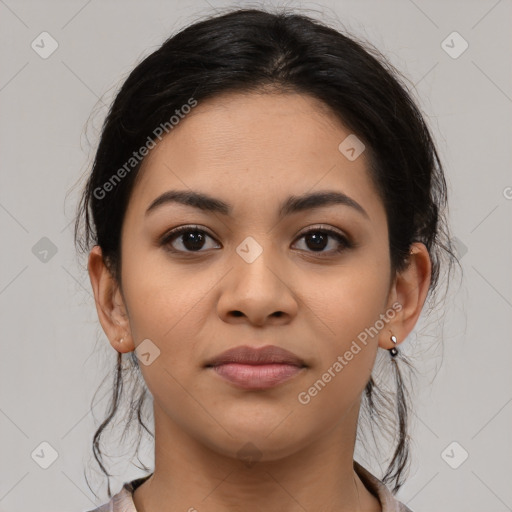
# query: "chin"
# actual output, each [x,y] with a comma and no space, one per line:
[263,444]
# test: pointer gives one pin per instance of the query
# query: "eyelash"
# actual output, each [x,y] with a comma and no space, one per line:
[171,235]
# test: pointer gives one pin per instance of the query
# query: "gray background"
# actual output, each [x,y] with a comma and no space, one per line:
[54,353]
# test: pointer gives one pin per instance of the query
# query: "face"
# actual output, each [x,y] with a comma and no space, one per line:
[250,274]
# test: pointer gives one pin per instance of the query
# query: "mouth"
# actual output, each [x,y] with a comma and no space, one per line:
[262,376]
[256,368]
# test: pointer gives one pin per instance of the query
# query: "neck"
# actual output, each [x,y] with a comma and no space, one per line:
[189,475]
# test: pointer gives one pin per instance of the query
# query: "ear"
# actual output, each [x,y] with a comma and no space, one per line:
[110,305]
[409,289]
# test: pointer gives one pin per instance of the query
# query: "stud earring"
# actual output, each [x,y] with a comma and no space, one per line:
[393,351]
[121,340]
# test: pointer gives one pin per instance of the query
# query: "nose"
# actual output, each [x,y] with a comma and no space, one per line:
[257,292]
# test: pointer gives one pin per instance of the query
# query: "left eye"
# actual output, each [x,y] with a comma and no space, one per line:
[193,239]
[319,238]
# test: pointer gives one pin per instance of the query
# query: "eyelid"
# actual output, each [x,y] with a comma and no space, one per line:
[323,227]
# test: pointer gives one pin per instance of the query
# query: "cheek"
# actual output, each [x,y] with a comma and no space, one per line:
[345,351]
[348,299]
[346,310]
[161,295]
[166,307]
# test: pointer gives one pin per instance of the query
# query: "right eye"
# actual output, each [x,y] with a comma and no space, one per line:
[192,238]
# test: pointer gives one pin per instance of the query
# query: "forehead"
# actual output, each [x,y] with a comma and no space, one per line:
[254,149]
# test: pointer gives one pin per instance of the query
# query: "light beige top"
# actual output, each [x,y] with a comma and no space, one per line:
[123,501]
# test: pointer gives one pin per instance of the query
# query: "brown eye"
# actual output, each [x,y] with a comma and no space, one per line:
[316,240]
[192,239]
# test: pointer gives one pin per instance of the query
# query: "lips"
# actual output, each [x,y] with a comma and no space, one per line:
[256,368]
[269,354]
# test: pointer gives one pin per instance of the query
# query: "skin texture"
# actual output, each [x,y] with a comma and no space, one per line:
[253,151]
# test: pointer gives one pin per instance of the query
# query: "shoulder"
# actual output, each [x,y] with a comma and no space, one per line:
[120,502]
[103,508]
[387,501]
[123,500]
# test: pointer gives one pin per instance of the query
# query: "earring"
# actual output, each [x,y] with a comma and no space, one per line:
[121,340]
[393,351]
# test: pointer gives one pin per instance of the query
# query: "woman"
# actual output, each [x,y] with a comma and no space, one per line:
[266,209]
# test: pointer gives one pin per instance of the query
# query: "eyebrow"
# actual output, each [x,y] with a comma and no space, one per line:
[293,204]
